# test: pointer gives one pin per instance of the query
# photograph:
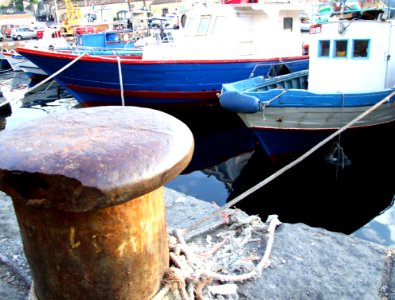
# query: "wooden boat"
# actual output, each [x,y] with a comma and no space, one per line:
[217,44]
[352,68]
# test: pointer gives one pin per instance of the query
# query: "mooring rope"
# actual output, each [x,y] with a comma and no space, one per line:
[190,273]
[120,80]
[48,78]
[231,203]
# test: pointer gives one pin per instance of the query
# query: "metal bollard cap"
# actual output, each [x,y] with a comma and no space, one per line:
[93,157]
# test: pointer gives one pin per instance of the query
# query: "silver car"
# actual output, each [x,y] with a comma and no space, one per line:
[22,33]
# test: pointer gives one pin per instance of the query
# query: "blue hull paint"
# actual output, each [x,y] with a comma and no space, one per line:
[93,81]
[248,102]
[282,144]
[290,121]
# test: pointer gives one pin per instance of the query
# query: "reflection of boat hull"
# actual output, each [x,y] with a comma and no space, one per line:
[320,194]
[219,135]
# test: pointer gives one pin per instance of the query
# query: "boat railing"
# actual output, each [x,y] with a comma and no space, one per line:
[105,51]
[275,69]
[296,80]
[322,12]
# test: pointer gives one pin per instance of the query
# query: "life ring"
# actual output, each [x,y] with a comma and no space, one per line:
[125,37]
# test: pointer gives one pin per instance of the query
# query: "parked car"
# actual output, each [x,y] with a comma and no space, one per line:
[39,29]
[23,33]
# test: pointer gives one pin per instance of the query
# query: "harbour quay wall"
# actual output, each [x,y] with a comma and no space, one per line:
[305,262]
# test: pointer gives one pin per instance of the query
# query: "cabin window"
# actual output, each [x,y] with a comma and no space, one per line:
[323,48]
[169,37]
[340,49]
[203,25]
[360,48]
[190,25]
[219,25]
[287,24]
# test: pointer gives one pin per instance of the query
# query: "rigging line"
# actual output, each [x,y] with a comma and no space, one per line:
[339,136]
[285,168]
[120,80]
[49,77]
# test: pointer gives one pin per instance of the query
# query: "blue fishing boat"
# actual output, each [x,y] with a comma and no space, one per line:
[217,44]
[352,68]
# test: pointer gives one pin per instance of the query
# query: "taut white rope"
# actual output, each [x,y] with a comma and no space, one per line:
[120,80]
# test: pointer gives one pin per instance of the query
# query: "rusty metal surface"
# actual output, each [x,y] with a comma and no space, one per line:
[119,252]
[94,157]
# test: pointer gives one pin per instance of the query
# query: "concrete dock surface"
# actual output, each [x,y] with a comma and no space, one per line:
[305,262]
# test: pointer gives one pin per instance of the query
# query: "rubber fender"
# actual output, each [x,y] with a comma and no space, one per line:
[239,102]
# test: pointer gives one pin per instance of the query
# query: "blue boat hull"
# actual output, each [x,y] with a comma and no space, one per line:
[289,122]
[95,81]
[280,145]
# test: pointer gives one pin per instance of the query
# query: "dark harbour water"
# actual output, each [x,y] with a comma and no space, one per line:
[355,199]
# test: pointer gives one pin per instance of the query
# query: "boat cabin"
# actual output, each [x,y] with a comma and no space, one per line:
[353,50]
[351,55]
[106,39]
[248,30]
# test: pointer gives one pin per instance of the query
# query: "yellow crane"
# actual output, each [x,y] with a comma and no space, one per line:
[71,18]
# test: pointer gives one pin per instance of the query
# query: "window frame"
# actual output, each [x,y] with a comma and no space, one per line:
[335,51]
[367,50]
[320,48]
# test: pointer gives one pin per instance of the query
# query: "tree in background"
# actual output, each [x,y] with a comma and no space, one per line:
[34,6]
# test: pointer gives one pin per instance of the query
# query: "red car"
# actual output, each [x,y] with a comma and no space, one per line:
[6,29]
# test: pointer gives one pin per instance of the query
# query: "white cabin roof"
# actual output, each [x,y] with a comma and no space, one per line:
[236,31]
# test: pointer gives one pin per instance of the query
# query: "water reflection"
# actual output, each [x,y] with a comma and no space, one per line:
[341,198]
[227,162]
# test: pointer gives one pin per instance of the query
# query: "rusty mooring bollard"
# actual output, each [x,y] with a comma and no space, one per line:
[87,191]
